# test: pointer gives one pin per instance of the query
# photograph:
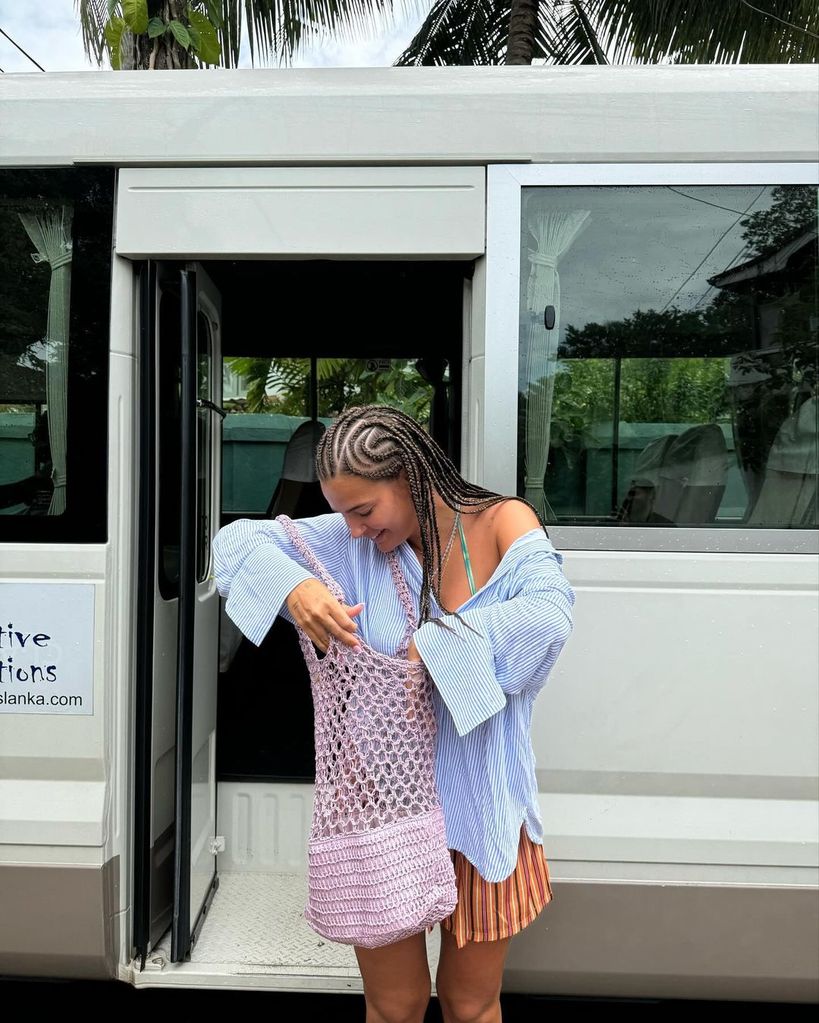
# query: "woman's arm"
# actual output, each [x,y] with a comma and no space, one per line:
[515,643]
[256,566]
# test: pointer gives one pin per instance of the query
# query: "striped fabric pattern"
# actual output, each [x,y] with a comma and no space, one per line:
[489,911]
[486,681]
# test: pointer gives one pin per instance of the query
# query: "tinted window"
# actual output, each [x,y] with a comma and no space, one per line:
[204,443]
[669,360]
[55,282]
[169,408]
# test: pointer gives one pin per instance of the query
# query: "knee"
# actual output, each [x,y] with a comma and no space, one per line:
[397,1006]
[469,1006]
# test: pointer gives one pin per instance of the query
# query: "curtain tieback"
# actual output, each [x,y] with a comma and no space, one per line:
[56,262]
[58,478]
[61,260]
[541,259]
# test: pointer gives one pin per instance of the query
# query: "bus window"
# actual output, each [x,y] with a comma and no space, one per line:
[668,355]
[55,269]
[204,442]
[169,447]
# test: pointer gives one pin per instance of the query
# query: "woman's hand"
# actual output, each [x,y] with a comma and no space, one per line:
[321,616]
[412,651]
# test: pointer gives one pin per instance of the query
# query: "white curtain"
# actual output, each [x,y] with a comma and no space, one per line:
[50,233]
[554,232]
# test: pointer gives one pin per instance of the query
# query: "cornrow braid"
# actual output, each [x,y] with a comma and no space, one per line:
[376,442]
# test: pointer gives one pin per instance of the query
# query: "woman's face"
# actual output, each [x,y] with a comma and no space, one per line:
[381,510]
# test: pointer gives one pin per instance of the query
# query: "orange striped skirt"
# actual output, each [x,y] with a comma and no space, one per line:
[488,911]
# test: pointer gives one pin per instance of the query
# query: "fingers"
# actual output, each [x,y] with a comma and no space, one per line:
[342,626]
[322,617]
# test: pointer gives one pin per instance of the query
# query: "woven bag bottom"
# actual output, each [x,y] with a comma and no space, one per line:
[375,888]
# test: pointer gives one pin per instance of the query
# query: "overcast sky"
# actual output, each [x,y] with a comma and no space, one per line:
[50,32]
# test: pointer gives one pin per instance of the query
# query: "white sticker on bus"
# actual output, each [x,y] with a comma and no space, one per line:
[46,648]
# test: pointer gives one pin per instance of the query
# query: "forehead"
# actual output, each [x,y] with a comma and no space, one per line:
[344,492]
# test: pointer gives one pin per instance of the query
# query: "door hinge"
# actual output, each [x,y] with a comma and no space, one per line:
[216,845]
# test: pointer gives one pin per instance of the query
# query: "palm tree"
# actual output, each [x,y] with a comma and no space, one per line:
[617,31]
[147,34]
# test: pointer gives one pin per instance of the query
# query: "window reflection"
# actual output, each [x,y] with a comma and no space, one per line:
[668,370]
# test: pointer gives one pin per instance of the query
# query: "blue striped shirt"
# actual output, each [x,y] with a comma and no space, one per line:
[485,684]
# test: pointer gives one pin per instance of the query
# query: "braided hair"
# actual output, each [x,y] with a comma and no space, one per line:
[376,442]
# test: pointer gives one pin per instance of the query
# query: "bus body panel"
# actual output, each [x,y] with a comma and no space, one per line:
[669,114]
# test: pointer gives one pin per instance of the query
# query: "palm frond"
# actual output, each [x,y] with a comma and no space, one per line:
[460,32]
[277,29]
[93,15]
[567,36]
[624,32]
[704,32]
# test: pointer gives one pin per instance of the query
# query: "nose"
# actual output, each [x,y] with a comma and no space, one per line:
[357,531]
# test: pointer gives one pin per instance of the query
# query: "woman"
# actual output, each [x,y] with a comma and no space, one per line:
[494,613]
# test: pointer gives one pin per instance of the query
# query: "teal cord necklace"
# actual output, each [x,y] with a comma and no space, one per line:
[465,552]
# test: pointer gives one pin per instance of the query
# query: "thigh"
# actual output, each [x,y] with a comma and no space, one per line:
[469,978]
[396,978]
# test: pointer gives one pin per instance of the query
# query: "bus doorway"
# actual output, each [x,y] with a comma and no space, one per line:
[292,344]
[341,334]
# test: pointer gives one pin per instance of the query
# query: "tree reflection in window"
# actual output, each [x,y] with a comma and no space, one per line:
[699,408]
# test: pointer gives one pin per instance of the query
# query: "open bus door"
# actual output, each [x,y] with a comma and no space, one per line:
[178,605]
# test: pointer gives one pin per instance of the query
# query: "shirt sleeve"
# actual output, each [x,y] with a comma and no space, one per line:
[256,566]
[514,646]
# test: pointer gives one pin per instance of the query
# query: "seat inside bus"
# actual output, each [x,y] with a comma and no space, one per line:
[787,497]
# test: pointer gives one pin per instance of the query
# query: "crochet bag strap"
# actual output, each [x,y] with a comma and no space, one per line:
[304,549]
[406,602]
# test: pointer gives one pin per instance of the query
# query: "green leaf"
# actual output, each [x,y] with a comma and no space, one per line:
[156,27]
[215,13]
[205,41]
[180,34]
[135,13]
[113,36]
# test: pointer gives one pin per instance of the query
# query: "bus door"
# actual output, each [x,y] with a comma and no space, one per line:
[178,605]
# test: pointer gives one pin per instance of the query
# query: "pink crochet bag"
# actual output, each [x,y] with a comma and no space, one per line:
[378,865]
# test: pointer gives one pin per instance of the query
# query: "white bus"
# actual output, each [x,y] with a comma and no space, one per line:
[598,288]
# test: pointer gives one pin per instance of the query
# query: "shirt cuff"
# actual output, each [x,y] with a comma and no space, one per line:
[462,667]
[259,590]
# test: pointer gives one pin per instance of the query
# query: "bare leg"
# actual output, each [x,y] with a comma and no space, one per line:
[469,979]
[396,980]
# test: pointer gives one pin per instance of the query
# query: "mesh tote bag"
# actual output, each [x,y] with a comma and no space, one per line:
[379,868]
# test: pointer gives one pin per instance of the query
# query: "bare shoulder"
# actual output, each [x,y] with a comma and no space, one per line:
[509,520]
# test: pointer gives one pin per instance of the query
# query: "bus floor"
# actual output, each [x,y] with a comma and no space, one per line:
[255,929]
